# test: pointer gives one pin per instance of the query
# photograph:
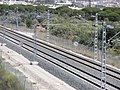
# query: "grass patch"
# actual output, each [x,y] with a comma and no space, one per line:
[8,81]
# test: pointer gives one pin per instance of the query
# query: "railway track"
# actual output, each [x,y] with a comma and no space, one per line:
[79,67]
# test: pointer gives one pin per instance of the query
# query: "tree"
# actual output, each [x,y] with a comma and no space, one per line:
[29,23]
[103,15]
[3,8]
[116,45]
[108,8]
[30,8]
[41,8]
[113,9]
[64,10]
[12,7]
[113,16]
[89,11]
[117,11]
[78,12]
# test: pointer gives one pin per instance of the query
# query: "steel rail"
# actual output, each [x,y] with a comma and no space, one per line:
[20,35]
[63,51]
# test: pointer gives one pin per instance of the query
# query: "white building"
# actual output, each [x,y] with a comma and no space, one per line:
[11,2]
[63,2]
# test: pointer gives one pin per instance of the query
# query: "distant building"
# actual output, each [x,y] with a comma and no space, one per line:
[11,2]
[57,3]
[64,3]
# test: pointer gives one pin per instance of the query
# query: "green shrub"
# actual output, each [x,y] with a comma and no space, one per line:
[29,23]
[8,81]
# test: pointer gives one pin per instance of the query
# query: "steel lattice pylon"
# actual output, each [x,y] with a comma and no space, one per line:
[17,17]
[48,23]
[48,26]
[96,39]
[103,64]
[35,51]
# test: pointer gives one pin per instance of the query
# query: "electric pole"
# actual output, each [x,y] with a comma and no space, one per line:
[17,18]
[35,16]
[48,26]
[96,39]
[48,36]
[103,64]
[34,42]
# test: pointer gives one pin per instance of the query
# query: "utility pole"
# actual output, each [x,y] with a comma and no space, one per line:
[48,23]
[48,26]
[96,39]
[20,42]
[103,64]
[17,18]
[34,43]
[35,34]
